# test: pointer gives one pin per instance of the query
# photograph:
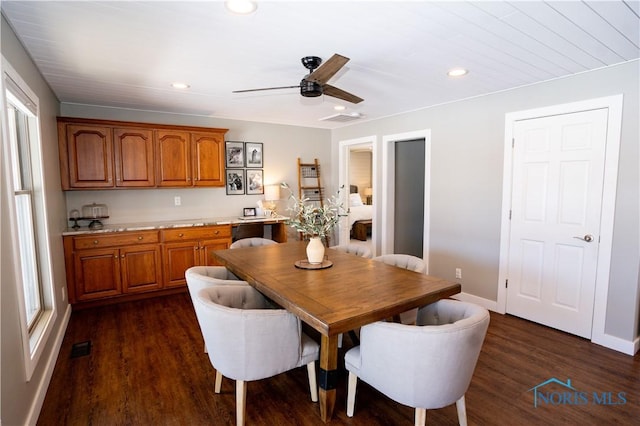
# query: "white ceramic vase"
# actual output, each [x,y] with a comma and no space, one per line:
[315,250]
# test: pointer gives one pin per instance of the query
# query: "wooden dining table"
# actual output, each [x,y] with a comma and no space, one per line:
[352,292]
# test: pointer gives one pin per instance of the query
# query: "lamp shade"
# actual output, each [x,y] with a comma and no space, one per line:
[272,192]
[368,191]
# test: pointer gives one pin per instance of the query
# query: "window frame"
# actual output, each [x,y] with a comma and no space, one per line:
[34,336]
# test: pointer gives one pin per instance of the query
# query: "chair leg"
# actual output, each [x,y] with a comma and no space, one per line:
[241,400]
[351,393]
[354,337]
[462,411]
[421,416]
[218,384]
[313,386]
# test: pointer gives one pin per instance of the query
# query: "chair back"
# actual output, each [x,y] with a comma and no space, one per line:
[428,365]
[199,277]
[405,261]
[357,249]
[252,242]
[248,338]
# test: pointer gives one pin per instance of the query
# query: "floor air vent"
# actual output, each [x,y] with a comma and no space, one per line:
[343,117]
[81,349]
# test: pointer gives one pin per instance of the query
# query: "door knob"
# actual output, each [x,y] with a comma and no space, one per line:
[588,238]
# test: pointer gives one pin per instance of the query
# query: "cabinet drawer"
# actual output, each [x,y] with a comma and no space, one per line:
[196,233]
[116,239]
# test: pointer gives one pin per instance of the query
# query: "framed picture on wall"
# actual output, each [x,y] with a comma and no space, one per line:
[234,154]
[255,182]
[253,152]
[235,182]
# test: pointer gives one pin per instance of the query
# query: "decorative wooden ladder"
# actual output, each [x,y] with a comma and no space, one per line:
[309,184]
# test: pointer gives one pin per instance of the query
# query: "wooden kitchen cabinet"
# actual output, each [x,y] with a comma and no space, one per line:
[106,266]
[208,158]
[134,157]
[86,155]
[103,154]
[188,159]
[174,158]
[183,248]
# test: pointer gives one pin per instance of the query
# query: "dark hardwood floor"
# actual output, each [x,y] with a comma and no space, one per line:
[147,367]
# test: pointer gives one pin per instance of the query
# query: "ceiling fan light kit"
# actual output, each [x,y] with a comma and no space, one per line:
[315,83]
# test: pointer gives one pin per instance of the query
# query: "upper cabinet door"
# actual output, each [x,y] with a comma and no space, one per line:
[134,157]
[90,156]
[174,158]
[208,159]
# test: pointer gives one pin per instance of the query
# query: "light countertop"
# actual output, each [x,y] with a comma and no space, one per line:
[145,226]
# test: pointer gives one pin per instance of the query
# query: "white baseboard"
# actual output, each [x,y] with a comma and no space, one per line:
[36,406]
[491,305]
[606,340]
[629,347]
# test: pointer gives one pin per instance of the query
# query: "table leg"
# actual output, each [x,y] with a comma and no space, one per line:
[328,375]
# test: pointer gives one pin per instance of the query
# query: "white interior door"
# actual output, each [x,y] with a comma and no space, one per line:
[558,172]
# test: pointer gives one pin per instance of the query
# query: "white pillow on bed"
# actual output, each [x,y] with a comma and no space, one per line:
[355,200]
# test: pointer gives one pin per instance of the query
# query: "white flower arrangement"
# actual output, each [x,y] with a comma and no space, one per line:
[310,218]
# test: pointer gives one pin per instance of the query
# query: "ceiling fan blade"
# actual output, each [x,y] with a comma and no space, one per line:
[333,91]
[328,69]
[266,88]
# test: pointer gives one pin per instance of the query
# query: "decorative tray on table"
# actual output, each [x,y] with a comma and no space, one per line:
[304,264]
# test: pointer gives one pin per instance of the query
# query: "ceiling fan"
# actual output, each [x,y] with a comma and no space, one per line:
[315,83]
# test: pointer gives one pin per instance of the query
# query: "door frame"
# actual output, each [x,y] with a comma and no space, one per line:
[388,192]
[344,149]
[614,106]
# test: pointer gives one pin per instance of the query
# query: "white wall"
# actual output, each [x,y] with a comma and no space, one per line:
[466,182]
[282,147]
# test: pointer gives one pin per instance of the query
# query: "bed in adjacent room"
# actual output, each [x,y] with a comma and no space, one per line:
[360,215]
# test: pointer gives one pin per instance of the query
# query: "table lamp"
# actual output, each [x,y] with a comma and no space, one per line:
[271,196]
[368,193]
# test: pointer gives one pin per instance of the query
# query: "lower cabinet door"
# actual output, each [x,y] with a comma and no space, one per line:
[97,274]
[141,270]
[177,258]
[207,248]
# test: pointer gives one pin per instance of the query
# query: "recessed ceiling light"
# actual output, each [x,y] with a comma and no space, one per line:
[339,107]
[241,7]
[179,85]
[457,72]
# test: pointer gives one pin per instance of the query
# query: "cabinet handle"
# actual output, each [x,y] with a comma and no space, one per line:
[115,256]
[95,241]
[140,238]
[216,232]
[181,235]
[122,256]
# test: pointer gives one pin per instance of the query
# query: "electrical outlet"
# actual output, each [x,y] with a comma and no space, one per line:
[459,273]
[177,201]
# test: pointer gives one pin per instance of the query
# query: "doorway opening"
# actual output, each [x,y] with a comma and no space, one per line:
[388,190]
[358,178]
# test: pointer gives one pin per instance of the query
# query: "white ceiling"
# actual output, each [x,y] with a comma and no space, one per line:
[126,54]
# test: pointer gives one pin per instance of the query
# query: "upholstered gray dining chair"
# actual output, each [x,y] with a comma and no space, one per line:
[411,263]
[252,242]
[249,339]
[424,366]
[199,277]
[357,249]
[405,261]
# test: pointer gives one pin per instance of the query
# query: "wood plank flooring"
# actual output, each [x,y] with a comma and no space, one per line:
[147,367]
